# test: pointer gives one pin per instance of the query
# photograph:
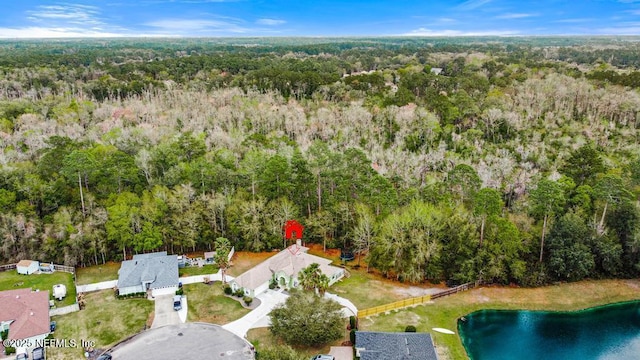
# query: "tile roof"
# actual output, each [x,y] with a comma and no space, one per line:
[290,261]
[28,312]
[160,269]
[395,346]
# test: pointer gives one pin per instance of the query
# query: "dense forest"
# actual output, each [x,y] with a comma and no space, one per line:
[509,160]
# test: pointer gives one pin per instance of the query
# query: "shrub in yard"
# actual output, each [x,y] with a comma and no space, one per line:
[239,293]
[272,284]
[410,328]
[227,290]
[180,292]
[247,300]
[352,322]
[352,336]
[9,350]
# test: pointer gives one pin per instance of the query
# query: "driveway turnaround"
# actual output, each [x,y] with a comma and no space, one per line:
[164,313]
[258,316]
[184,341]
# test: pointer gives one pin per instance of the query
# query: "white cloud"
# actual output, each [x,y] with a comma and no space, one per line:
[52,32]
[473,4]
[574,21]
[66,13]
[449,32]
[270,22]
[195,26]
[515,16]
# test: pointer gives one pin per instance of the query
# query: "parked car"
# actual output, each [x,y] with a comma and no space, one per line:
[323,357]
[177,302]
[104,357]
[37,353]
[22,354]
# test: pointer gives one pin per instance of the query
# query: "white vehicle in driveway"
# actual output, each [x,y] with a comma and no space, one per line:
[177,303]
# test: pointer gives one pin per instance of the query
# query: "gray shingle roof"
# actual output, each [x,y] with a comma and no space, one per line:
[158,268]
[395,346]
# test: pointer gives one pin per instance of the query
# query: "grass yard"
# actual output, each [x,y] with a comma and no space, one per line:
[11,280]
[444,312]
[367,290]
[262,338]
[207,303]
[105,320]
[97,273]
[197,270]
[244,260]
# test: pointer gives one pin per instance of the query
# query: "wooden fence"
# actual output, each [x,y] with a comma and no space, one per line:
[414,301]
[7,267]
[69,269]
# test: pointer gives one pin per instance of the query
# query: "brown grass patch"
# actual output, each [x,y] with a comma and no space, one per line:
[244,260]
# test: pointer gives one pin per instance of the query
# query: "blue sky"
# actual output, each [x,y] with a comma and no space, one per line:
[196,18]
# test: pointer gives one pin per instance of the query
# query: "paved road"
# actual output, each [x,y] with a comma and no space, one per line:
[164,314]
[184,341]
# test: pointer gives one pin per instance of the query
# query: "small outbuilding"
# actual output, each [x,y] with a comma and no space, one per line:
[59,291]
[27,267]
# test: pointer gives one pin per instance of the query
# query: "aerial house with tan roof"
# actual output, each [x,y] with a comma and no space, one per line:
[283,268]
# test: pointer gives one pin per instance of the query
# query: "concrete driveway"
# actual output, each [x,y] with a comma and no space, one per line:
[164,313]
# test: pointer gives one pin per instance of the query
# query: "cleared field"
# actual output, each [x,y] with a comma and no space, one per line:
[244,260]
[105,320]
[11,280]
[197,270]
[97,273]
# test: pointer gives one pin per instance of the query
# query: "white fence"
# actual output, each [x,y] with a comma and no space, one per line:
[344,302]
[97,286]
[64,310]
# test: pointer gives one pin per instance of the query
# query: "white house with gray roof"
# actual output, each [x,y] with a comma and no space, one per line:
[156,272]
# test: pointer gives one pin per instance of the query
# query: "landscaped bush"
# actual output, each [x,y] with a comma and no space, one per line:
[272,284]
[410,328]
[352,323]
[9,350]
[4,334]
[247,300]
[352,336]
[180,292]
[138,295]
[239,292]
[228,290]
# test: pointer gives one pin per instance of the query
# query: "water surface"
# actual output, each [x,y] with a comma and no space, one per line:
[609,332]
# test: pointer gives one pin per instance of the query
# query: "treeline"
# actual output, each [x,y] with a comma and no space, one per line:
[491,168]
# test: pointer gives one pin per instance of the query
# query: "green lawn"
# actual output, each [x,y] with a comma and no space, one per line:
[197,270]
[105,320]
[263,338]
[97,273]
[207,303]
[11,280]
[367,290]
[444,312]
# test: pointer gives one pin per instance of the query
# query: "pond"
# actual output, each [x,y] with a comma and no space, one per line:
[609,332]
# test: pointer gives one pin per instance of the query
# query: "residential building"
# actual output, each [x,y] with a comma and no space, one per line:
[155,272]
[283,268]
[25,314]
[372,345]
